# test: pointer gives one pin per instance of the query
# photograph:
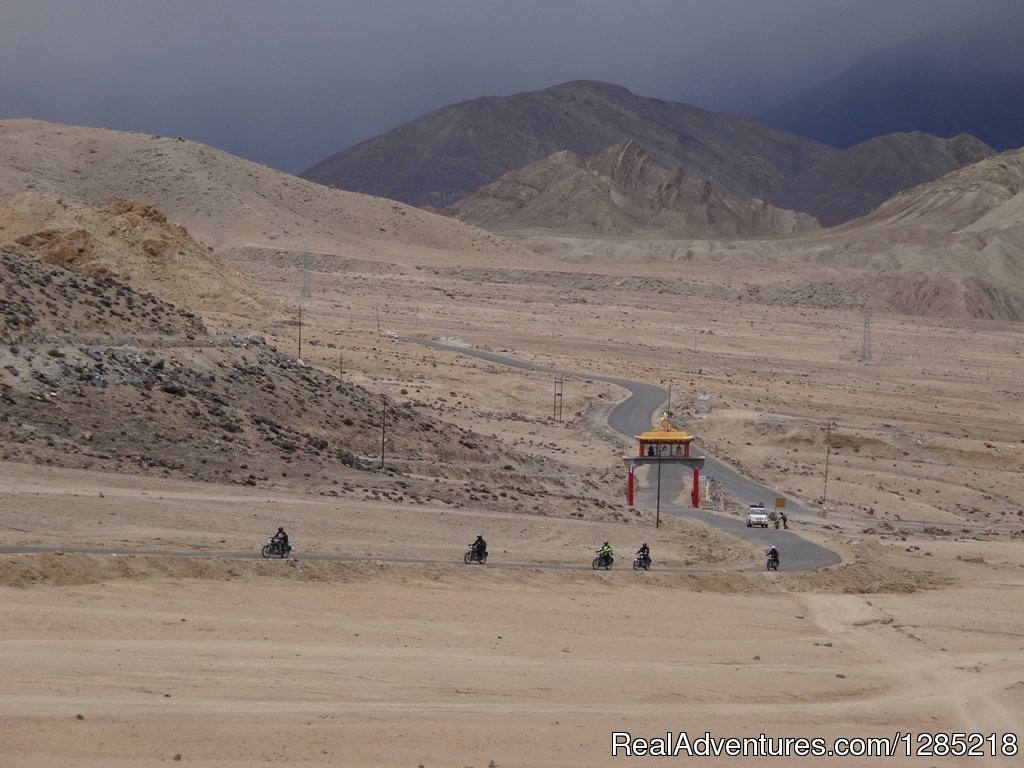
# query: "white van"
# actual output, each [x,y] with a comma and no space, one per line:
[757,515]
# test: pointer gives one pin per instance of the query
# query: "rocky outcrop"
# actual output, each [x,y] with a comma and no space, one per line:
[95,375]
[620,192]
[135,243]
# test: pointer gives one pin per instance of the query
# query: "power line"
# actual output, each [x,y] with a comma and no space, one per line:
[557,403]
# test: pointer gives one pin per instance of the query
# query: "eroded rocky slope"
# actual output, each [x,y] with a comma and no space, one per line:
[620,192]
[96,375]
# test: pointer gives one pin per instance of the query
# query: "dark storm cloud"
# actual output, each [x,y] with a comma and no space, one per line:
[288,83]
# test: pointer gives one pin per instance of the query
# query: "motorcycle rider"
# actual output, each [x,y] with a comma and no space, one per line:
[479,547]
[605,553]
[644,553]
[773,556]
[784,519]
[280,539]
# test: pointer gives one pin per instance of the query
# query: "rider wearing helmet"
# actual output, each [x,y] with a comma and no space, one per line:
[479,546]
[280,538]
[773,555]
[644,553]
[605,552]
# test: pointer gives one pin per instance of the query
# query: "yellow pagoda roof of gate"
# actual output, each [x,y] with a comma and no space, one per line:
[665,433]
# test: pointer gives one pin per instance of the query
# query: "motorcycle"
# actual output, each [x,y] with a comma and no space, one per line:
[773,563]
[274,547]
[603,561]
[472,556]
[641,562]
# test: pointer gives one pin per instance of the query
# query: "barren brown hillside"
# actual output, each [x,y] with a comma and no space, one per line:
[982,196]
[857,180]
[951,248]
[221,199]
[95,375]
[253,212]
[135,243]
[444,156]
[619,192]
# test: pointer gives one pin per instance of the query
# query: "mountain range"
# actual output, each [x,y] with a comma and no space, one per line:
[452,152]
[853,182]
[950,246]
[943,84]
[445,155]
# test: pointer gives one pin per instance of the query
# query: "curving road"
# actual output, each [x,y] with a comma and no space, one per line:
[630,417]
[633,416]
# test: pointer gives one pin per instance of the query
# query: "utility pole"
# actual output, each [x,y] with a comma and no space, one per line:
[306,293]
[557,403]
[341,366]
[865,346]
[828,452]
[657,507]
[300,331]
[383,427]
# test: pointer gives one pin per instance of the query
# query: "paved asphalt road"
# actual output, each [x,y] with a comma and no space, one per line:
[630,417]
[623,561]
[633,416]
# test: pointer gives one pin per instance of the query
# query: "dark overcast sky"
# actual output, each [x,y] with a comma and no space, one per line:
[288,82]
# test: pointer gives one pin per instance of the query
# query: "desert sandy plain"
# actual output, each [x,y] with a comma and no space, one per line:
[139,628]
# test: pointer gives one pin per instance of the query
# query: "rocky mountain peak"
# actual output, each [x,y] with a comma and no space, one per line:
[619,191]
[627,164]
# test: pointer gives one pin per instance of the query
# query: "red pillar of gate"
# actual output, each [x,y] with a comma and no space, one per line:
[629,486]
[696,488]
